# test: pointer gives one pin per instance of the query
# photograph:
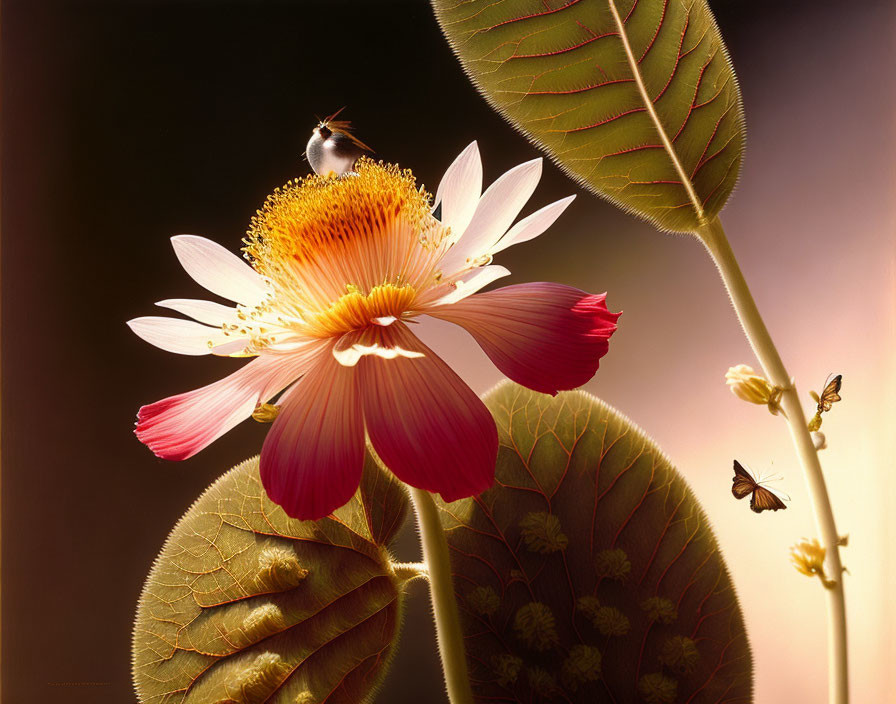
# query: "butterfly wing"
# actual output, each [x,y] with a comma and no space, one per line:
[764,499]
[831,393]
[743,482]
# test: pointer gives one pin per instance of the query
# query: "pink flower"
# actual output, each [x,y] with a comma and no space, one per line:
[340,270]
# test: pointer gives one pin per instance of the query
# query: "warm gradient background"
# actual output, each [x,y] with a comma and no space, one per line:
[125,122]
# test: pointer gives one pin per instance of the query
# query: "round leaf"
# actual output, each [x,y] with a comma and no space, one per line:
[247,605]
[589,573]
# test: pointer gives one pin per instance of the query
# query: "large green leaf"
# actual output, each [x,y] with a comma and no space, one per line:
[246,605]
[589,573]
[634,98]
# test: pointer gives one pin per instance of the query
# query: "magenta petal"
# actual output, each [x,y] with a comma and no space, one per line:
[545,336]
[312,457]
[425,423]
[178,427]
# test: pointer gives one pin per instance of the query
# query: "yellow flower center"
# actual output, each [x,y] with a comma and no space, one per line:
[319,216]
[343,253]
[356,310]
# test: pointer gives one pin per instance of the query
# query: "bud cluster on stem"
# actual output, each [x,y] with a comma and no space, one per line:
[713,237]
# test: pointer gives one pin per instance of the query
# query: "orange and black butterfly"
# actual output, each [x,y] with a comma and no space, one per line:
[831,393]
[828,398]
[764,498]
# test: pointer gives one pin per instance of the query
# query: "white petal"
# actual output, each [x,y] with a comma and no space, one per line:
[472,282]
[206,312]
[496,211]
[220,271]
[234,347]
[460,189]
[532,226]
[178,336]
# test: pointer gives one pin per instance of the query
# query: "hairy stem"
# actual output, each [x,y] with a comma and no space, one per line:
[407,571]
[444,606]
[713,236]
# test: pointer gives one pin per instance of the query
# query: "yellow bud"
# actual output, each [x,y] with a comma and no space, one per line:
[808,558]
[749,386]
[265,412]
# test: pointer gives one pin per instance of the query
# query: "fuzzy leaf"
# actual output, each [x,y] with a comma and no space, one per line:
[621,596]
[247,605]
[636,99]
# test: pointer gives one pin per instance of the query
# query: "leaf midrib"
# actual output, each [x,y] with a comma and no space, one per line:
[648,103]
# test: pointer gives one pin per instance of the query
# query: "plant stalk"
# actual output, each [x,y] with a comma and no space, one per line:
[713,237]
[409,571]
[444,606]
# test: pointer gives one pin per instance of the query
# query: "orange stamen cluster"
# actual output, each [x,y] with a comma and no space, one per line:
[344,253]
[318,216]
[355,310]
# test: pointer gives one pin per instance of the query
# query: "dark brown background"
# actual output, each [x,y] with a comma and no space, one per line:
[126,122]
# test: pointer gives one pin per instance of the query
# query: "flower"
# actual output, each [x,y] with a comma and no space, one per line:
[341,269]
[749,386]
[807,557]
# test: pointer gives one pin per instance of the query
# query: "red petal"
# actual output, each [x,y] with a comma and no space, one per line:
[178,427]
[425,423]
[545,336]
[312,457]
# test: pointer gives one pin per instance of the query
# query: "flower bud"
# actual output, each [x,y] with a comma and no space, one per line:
[747,385]
[265,412]
[808,558]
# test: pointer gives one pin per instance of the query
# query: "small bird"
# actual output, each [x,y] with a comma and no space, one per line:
[333,149]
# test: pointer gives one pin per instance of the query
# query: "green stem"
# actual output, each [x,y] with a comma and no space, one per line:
[409,571]
[713,236]
[444,606]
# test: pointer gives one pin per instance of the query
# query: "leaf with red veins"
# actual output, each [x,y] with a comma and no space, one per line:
[635,99]
[590,567]
[245,604]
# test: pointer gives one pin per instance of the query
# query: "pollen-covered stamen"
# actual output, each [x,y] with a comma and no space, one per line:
[356,310]
[315,236]
[259,327]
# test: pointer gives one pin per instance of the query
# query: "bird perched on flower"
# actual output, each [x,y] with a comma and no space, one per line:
[339,268]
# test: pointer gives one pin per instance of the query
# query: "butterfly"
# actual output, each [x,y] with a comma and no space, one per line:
[764,498]
[828,398]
